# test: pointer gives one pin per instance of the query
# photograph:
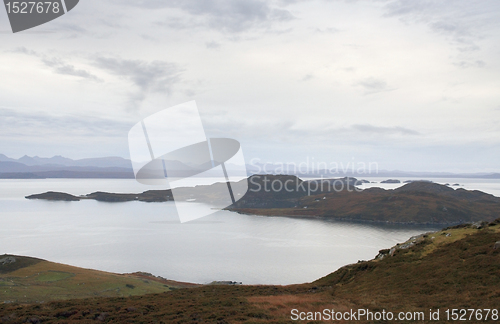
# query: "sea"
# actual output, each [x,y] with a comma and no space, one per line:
[225,246]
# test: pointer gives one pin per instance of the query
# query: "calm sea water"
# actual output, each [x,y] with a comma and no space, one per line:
[138,236]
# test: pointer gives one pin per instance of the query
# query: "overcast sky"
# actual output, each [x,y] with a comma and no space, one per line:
[411,85]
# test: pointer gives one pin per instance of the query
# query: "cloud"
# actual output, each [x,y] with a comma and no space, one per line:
[16,123]
[463,22]
[294,132]
[307,77]
[467,64]
[212,45]
[373,85]
[384,130]
[58,65]
[222,15]
[328,30]
[148,77]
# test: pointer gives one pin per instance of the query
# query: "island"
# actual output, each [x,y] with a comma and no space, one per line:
[390,181]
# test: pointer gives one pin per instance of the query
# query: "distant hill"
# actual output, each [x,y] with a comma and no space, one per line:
[60,167]
[456,268]
[112,161]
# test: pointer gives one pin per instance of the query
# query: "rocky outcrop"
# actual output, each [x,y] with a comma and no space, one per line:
[7,260]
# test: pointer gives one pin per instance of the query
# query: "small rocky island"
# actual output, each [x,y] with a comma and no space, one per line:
[390,181]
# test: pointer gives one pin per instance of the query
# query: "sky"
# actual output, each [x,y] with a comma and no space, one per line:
[409,85]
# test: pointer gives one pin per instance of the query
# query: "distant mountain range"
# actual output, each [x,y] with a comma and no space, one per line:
[114,167]
[104,162]
[36,167]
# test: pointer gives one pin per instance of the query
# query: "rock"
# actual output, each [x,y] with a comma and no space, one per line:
[495,222]
[7,260]
[455,184]
[102,317]
[479,225]
[382,254]
[497,245]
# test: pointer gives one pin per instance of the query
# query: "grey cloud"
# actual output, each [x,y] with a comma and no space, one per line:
[459,32]
[307,77]
[149,77]
[153,76]
[328,30]
[59,66]
[373,85]
[287,131]
[467,64]
[77,29]
[224,15]
[469,48]
[212,45]
[349,69]
[16,123]
[464,22]
[384,130]
[24,50]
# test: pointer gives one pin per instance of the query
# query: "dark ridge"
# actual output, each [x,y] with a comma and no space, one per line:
[10,263]
[424,186]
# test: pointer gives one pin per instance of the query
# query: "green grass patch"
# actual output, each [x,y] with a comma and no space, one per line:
[51,276]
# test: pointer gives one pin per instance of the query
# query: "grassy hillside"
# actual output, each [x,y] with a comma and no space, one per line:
[31,280]
[453,268]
